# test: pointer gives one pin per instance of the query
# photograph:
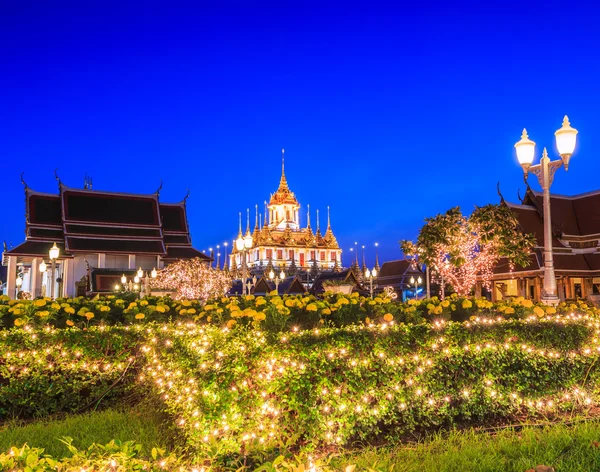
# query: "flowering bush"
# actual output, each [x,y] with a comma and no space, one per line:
[271,312]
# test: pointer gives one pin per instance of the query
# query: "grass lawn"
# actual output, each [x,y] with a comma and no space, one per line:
[566,448]
[142,423]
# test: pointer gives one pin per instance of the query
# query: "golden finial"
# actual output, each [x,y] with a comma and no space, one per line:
[256,218]
[308,216]
[318,221]
[328,218]
[240,230]
[247,220]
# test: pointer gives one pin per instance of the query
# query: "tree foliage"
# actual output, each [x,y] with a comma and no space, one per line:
[462,249]
[192,279]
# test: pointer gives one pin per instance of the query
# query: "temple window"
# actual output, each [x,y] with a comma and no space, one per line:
[279,254]
[322,258]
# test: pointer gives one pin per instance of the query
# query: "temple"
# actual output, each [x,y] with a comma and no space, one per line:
[100,236]
[575,246]
[280,241]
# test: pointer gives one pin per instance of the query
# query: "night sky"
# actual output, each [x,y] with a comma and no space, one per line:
[388,113]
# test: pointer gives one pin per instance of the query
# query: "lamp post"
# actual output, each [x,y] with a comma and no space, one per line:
[243,244]
[18,283]
[370,275]
[566,138]
[277,278]
[416,283]
[53,253]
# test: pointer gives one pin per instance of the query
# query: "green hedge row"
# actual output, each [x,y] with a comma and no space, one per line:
[47,370]
[245,392]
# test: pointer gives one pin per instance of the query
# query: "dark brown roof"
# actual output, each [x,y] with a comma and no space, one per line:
[173,217]
[113,208]
[577,215]
[127,246]
[535,263]
[43,209]
[36,248]
[399,267]
[531,222]
[188,252]
[106,222]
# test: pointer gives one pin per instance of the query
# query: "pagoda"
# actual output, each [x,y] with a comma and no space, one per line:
[280,242]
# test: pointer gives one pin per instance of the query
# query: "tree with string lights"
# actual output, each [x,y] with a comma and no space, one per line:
[463,249]
[192,279]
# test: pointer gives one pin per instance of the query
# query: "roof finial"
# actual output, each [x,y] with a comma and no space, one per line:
[260,221]
[256,218]
[23,180]
[500,193]
[186,197]
[240,230]
[318,221]
[308,216]
[56,176]
[328,219]
[159,188]
[265,222]
[283,182]
[247,220]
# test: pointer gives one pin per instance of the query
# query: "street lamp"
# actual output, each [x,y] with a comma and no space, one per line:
[370,275]
[277,278]
[416,283]
[243,244]
[566,138]
[53,253]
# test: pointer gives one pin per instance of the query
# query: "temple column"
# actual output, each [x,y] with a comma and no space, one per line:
[132,261]
[537,289]
[69,278]
[158,262]
[34,278]
[478,289]
[101,261]
[11,277]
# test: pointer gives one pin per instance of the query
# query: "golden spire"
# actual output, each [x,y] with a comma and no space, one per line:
[328,219]
[308,216]
[318,229]
[240,231]
[283,182]
[247,221]
[266,221]
[256,218]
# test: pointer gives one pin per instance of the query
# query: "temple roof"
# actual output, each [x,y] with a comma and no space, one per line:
[92,221]
[577,215]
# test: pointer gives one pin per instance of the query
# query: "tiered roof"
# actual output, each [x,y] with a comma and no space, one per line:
[92,221]
[575,233]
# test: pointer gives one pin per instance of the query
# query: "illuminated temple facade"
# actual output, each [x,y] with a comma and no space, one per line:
[280,242]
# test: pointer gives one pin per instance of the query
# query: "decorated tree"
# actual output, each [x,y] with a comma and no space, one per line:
[462,249]
[192,279]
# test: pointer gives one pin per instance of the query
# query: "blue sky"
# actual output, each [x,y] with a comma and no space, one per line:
[389,113]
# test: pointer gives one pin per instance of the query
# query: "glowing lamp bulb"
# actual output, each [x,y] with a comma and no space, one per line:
[140,273]
[54,252]
[153,273]
[525,150]
[123,279]
[42,267]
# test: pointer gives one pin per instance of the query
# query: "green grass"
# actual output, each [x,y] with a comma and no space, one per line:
[566,448]
[142,423]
